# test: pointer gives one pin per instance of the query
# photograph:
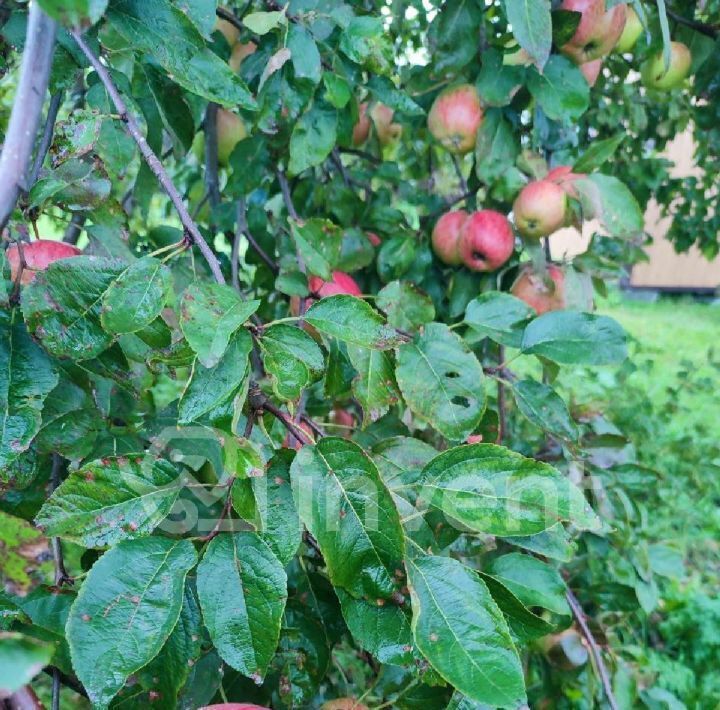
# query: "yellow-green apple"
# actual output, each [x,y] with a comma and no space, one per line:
[230,131]
[382,118]
[486,241]
[542,292]
[540,209]
[446,237]
[631,33]
[455,117]
[228,30]
[653,72]
[239,52]
[361,130]
[598,31]
[36,256]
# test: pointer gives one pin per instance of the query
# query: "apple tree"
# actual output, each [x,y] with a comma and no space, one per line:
[283,344]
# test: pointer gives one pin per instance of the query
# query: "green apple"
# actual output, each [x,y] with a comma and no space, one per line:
[653,72]
[631,33]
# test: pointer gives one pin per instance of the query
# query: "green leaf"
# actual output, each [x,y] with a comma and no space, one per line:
[337,90]
[385,92]
[75,13]
[533,582]
[21,659]
[401,461]
[351,514]
[442,381]
[453,35]
[545,408]
[252,150]
[319,242]
[166,33]
[136,297]
[460,630]
[493,490]
[532,27]
[561,90]
[125,611]
[305,55]
[524,624]
[384,631]
[291,358]
[209,315]
[498,316]
[312,139]
[554,543]
[405,305]
[565,24]
[263,22]
[571,338]
[352,320]
[374,385]
[242,568]
[611,202]
[209,388]
[598,153]
[27,376]
[112,499]
[267,502]
[496,147]
[497,83]
[364,42]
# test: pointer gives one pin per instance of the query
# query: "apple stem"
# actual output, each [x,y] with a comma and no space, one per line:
[151,159]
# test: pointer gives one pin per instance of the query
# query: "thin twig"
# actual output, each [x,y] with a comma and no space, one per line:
[287,197]
[74,229]
[316,428]
[259,402]
[47,136]
[26,110]
[244,230]
[712,31]
[151,159]
[212,182]
[61,575]
[230,17]
[459,173]
[223,514]
[581,619]
[66,680]
[337,162]
[362,154]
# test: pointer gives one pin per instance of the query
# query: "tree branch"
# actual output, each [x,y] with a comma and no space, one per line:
[151,159]
[244,231]
[26,110]
[459,173]
[287,197]
[47,136]
[74,229]
[712,31]
[230,17]
[259,402]
[581,619]
[362,154]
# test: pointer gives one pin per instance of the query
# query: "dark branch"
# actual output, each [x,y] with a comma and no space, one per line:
[244,231]
[362,154]
[337,162]
[152,160]
[581,619]
[74,229]
[287,197]
[26,110]
[230,17]
[712,31]
[47,136]
[259,402]
[61,575]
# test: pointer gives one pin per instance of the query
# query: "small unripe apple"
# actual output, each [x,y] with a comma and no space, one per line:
[387,131]
[591,71]
[540,209]
[361,130]
[446,237]
[564,176]
[37,255]
[239,52]
[486,241]
[455,117]
[542,292]
[230,131]
[228,30]
[598,31]
[344,704]
[653,71]
[631,33]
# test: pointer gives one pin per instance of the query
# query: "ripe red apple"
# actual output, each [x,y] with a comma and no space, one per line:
[631,33]
[598,31]
[486,241]
[343,704]
[540,209]
[387,131]
[591,71]
[38,256]
[455,117]
[542,292]
[361,130]
[653,71]
[446,237]
[374,239]
[564,176]
[239,52]
[341,283]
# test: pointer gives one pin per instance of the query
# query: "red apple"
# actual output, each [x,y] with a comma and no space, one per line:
[486,241]
[591,71]
[341,283]
[343,704]
[446,237]
[387,131]
[564,176]
[598,31]
[361,130]
[38,256]
[541,292]
[540,209]
[374,239]
[455,117]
